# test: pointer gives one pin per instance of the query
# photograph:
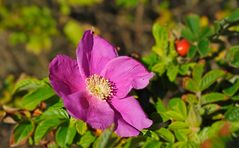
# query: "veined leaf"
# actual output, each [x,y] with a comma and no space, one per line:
[210,77]
[177,105]
[232,114]
[21,133]
[86,140]
[233,56]
[178,125]
[31,100]
[172,72]
[190,85]
[193,22]
[213,97]
[81,127]
[166,135]
[203,47]
[65,134]
[44,127]
[27,84]
[161,38]
[59,113]
[232,90]
[198,72]
[211,108]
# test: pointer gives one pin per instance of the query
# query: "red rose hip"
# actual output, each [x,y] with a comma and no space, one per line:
[182,47]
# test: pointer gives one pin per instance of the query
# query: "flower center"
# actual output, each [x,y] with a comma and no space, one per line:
[99,87]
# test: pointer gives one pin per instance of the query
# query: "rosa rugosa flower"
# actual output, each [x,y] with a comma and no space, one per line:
[95,87]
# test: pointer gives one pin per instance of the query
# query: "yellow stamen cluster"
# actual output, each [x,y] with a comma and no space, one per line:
[99,87]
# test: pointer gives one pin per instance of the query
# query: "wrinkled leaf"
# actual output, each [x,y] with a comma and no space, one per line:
[210,77]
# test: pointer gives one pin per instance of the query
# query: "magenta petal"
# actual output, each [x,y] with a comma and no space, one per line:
[131,112]
[126,73]
[93,53]
[97,113]
[77,105]
[64,75]
[83,53]
[124,129]
[100,114]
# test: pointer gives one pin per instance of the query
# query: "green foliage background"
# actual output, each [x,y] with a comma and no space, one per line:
[193,100]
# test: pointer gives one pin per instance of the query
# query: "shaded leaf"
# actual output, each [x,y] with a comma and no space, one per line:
[44,127]
[232,114]
[21,133]
[103,139]
[233,56]
[232,90]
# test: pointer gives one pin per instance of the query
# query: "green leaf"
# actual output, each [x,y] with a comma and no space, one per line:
[232,114]
[161,38]
[59,113]
[234,16]
[232,56]
[203,47]
[211,108]
[182,134]
[187,33]
[193,22]
[27,84]
[192,51]
[86,140]
[61,136]
[159,68]
[213,97]
[235,98]
[184,69]
[21,133]
[43,128]
[152,143]
[198,72]
[172,71]
[177,105]
[194,119]
[150,59]
[166,135]
[161,109]
[103,140]
[31,100]
[178,125]
[209,78]
[81,127]
[173,115]
[71,132]
[190,85]
[65,134]
[232,90]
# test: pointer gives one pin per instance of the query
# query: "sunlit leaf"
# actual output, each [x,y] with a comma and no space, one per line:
[210,77]
[31,100]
